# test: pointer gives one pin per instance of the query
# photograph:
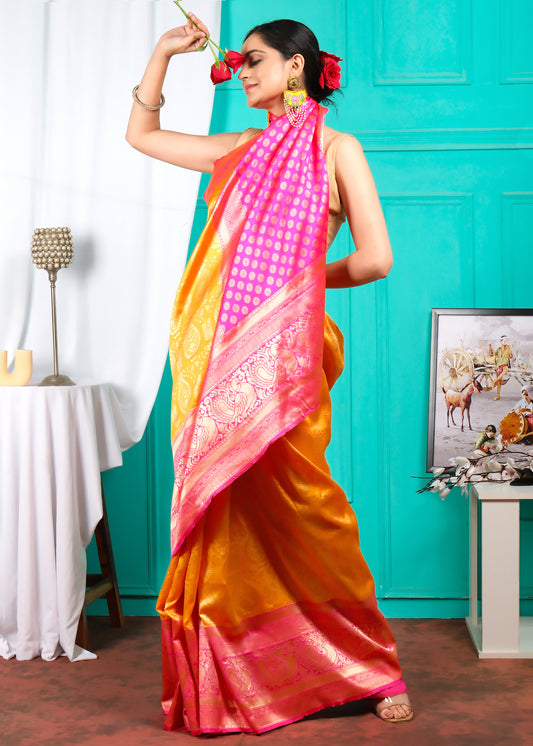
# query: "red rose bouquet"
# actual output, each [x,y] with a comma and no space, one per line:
[221,69]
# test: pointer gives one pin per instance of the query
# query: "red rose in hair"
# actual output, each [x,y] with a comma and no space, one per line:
[330,77]
[234,59]
[220,72]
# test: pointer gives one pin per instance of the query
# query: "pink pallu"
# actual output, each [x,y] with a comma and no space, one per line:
[263,373]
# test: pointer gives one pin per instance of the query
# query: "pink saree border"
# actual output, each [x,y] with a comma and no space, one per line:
[228,456]
[226,370]
[278,309]
[280,666]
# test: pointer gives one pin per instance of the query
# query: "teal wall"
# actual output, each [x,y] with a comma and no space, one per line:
[439,94]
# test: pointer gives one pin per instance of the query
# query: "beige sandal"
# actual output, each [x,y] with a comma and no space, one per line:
[388,703]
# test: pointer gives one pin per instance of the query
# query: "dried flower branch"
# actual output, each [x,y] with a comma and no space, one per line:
[505,466]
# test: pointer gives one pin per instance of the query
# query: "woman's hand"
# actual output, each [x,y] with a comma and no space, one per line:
[197,152]
[188,38]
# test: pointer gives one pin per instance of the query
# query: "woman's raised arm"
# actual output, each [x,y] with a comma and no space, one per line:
[196,152]
[372,259]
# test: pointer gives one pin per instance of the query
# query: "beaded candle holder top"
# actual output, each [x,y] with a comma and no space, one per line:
[52,249]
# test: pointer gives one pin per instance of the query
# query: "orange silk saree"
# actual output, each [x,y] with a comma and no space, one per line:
[268,608]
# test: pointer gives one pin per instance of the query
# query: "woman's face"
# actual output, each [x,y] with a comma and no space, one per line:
[264,75]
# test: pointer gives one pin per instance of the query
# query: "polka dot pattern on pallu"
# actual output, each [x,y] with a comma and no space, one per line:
[284,192]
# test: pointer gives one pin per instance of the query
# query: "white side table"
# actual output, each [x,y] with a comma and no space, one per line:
[500,632]
[54,442]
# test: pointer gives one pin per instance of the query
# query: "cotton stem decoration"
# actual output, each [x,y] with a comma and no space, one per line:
[506,466]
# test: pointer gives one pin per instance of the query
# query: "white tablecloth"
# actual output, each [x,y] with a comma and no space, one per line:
[54,442]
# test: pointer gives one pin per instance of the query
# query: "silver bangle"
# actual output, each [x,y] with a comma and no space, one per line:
[146,106]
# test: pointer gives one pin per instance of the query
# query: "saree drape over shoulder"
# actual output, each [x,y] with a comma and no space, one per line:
[268,608]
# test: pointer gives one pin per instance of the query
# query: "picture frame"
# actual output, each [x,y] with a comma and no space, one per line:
[471,388]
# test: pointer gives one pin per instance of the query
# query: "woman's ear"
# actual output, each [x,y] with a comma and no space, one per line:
[297,65]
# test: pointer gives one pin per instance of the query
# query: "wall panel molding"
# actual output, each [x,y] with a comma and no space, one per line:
[150,586]
[506,138]
[516,231]
[457,227]
[422,43]
[384,434]
[516,50]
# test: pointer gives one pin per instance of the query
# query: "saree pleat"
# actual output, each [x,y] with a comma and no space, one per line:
[268,610]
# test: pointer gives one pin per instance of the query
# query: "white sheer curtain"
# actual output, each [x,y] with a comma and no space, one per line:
[68,70]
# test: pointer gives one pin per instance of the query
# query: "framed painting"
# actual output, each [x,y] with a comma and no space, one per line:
[481,382]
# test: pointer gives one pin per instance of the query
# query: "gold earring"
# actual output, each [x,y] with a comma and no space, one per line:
[293,83]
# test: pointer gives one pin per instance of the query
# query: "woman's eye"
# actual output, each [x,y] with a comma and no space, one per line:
[253,63]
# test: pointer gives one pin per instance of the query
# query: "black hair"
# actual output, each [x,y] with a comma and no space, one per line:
[490,429]
[290,38]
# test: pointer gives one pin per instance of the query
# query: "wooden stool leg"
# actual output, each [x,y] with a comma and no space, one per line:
[82,633]
[107,564]
[104,583]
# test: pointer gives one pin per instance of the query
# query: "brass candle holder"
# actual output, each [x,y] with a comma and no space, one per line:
[52,249]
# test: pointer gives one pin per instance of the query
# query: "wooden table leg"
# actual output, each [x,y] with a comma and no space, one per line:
[500,572]
[104,583]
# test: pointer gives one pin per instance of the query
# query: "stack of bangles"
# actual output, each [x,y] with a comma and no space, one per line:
[146,106]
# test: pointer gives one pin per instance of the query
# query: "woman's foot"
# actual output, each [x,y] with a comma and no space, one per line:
[395,709]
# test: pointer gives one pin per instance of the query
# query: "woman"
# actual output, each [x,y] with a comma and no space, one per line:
[268,608]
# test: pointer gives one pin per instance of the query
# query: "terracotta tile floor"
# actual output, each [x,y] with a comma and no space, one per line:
[113,701]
